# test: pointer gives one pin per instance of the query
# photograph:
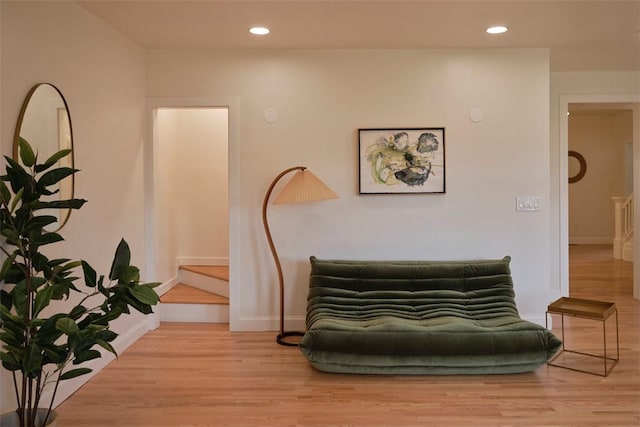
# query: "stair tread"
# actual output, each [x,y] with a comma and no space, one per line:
[216,271]
[185,294]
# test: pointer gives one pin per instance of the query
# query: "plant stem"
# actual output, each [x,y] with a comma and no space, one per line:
[53,398]
[15,387]
[38,391]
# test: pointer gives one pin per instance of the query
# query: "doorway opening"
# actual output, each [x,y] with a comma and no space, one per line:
[190,204]
[602,135]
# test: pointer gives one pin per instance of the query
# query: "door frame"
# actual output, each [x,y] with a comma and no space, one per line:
[231,103]
[565,100]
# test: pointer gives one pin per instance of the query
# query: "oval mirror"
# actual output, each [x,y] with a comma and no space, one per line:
[45,123]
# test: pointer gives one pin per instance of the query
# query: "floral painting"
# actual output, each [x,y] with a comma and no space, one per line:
[402,161]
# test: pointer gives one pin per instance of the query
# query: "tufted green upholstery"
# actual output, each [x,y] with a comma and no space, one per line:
[419,317]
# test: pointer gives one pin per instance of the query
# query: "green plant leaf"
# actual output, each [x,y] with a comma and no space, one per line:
[59,204]
[10,234]
[107,347]
[106,335]
[77,312]
[54,176]
[9,362]
[144,294]
[40,221]
[121,260]
[37,282]
[90,275]
[43,298]
[67,326]
[53,160]
[5,299]
[112,314]
[46,239]
[6,266]
[55,355]
[16,174]
[153,284]
[130,274]
[74,373]
[26,152]
[33,360]
[5,194]
[15,168]
[85,356]
[20,298]
[17,198]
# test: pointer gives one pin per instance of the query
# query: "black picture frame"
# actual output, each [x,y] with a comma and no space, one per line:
[402,161]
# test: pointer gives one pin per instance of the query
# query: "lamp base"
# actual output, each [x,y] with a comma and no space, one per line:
[280,338]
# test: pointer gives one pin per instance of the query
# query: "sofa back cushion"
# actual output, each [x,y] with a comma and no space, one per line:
[418,290]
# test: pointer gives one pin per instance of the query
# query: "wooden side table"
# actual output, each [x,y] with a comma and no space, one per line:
[586,309]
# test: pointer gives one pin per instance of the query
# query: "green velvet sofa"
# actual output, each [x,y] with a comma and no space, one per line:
[419,317]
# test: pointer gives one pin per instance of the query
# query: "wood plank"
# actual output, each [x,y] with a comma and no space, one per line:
[218,271]
[204,375]
[184,294]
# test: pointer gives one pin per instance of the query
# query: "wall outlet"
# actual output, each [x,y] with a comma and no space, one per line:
[527,203]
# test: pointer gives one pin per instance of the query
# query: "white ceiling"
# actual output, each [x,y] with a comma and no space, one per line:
[592,35]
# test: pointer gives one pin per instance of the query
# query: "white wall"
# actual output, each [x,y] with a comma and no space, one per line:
[191,186]
[322,98]
[102,76]
[165,189]
[601,139]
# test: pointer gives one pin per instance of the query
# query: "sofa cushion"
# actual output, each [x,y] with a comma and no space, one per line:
[434,317]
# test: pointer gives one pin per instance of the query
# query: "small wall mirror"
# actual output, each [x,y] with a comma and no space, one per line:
[45,123]
[577,166]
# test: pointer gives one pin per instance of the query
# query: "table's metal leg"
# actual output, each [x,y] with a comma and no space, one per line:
[617,338]
[604,338]
[562,322]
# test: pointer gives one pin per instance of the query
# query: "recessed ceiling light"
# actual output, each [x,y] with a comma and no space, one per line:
[259,31]
[497,29]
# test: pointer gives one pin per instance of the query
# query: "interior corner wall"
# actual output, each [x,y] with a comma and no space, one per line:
[191,186]
[321,98]
[202,177]
[165,211]
[102,76]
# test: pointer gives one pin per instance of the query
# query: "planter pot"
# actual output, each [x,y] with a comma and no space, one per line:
[11,419]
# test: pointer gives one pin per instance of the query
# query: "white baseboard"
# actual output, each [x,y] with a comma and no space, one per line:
[268,323]
[167,286]
[539,320]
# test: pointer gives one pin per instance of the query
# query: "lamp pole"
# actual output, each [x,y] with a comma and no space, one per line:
[280,338]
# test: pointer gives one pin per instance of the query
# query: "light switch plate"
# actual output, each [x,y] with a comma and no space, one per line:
[527,203]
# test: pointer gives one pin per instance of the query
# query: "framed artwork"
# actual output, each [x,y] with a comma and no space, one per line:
[401,161]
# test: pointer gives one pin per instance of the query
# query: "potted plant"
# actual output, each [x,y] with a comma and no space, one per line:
[41,348]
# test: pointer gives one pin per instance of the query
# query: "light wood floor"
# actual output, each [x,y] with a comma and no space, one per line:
[204,375]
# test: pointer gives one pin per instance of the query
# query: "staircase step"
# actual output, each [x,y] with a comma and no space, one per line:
[185,294]
[184,303]
[216,271]
[209,278]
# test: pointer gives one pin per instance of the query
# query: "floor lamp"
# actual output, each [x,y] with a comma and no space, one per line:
[303,187]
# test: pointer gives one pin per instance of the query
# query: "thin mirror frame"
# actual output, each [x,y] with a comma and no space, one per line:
[64,218]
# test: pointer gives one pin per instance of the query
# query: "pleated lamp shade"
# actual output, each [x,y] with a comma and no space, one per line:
[304,187]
